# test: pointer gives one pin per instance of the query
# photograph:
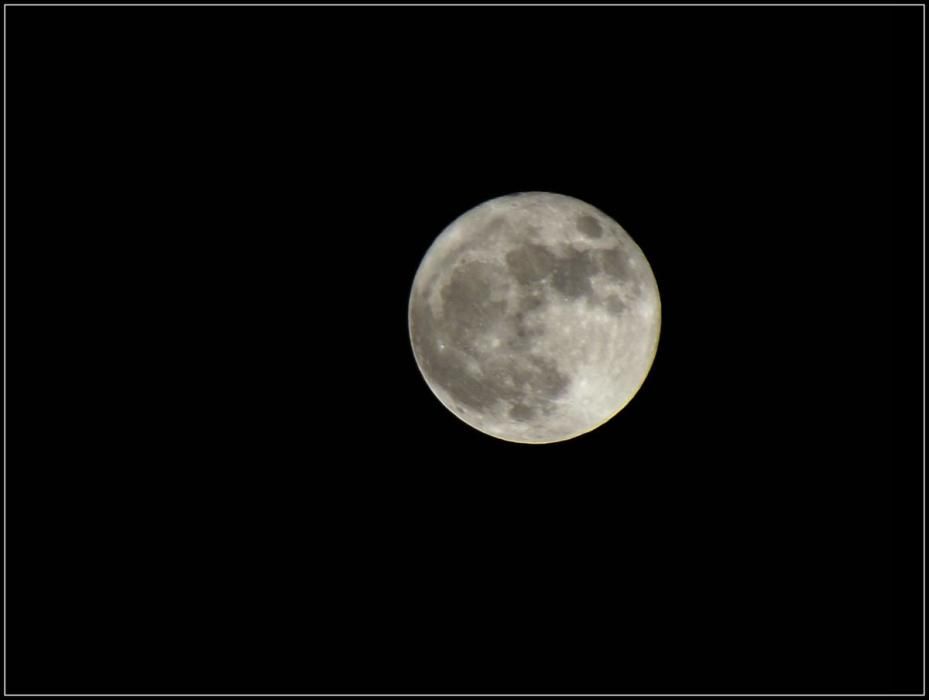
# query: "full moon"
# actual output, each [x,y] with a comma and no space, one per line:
[534,317]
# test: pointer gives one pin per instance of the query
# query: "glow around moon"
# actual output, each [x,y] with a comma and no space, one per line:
[534,317]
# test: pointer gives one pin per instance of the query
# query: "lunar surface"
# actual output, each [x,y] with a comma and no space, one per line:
[534,317]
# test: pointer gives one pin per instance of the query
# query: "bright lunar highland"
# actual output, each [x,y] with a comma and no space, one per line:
[534,317]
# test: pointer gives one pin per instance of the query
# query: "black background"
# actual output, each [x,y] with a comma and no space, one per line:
[225,471]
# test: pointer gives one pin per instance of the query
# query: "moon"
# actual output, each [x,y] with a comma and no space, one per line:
[534,317]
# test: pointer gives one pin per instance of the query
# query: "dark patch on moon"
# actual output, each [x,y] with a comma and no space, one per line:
[467,301]
[522,412]
[589,226]
[484,237]
[494,227]
[614,304]
[572,276]
[448,368]
[545,379]
[530,263]
[534,299]
[523,331]
[615,263]
[468,309]
[513,375]
[465,387]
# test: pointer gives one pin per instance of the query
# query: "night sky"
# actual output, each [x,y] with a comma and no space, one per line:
[225,472]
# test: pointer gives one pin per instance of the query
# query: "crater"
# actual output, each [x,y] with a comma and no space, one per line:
[589,226]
